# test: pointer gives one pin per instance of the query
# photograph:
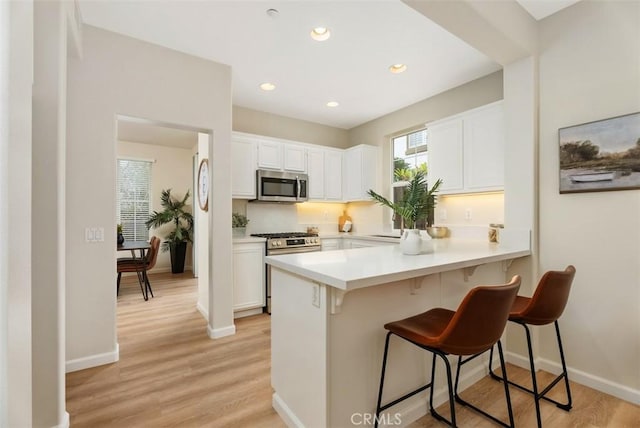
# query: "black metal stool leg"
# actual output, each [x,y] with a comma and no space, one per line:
[564,374]
[452,405]
[384,368]
[506,389]
[147,284]
[536,397]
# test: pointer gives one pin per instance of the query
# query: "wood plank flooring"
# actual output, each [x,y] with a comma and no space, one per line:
[170,374]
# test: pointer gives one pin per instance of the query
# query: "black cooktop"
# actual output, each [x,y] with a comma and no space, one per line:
[284,235]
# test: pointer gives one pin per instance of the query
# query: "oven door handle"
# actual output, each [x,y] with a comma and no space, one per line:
[293,250]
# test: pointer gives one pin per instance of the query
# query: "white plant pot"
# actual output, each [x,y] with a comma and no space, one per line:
[411,242]
[239,232]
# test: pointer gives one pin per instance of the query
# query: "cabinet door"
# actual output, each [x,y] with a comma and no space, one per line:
[294,158]
[270,155]
[484,149]
[248,276]
[330,244]
[333,175]
[360,172]
[315,167]
[243,169]
[445,155]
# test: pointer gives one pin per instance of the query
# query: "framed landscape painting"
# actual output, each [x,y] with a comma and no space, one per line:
[601,155]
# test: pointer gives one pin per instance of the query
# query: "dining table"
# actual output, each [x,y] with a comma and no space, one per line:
[141,247]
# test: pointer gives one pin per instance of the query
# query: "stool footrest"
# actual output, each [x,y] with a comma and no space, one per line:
[404,397]
[541,395]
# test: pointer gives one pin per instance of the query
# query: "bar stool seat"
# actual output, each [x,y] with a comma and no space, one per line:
[544,307]
[471,330]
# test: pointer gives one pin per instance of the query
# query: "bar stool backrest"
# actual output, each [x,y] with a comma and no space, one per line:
[480,319]
[549,299]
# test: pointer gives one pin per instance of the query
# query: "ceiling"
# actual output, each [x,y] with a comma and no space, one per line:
[351,67]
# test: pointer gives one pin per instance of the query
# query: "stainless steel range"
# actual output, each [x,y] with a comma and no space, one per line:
[287,243]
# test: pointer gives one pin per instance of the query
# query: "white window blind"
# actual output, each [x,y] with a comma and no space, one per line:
[134,198]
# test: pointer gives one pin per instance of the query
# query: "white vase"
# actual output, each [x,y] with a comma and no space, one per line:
[411,242]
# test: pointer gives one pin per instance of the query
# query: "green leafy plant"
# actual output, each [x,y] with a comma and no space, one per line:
[239,220]
[417,202]
[119,229]
[174,211]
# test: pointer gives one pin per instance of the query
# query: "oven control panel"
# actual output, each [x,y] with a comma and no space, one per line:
[293,242]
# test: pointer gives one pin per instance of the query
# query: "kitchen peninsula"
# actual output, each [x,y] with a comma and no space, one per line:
[328,313]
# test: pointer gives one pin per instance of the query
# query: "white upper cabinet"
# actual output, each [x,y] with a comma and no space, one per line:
[445,155]
[315,166]
[324,167]
[484,149]
[467,151]
[360,167]
[295,158]
[333,175]
[270,155]
[243,168]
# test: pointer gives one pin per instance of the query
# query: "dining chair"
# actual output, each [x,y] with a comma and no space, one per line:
[140,267]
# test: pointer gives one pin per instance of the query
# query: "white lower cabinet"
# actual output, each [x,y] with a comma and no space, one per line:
[362,243]
[331,244]
[248,276]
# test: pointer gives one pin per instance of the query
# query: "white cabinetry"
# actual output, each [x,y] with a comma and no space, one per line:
[248,276]
[467,151]
[331,244]
[360,166]
[324,167]
[243,168]
[294,158]
[270,155]
[362,243]
[281,156]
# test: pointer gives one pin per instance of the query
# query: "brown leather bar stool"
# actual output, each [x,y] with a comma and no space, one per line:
[471,330]
[545,307]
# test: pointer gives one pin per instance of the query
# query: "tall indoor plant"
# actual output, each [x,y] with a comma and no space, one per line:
[417,202]
[174,211]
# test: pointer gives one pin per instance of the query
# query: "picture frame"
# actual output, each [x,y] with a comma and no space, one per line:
[601,155]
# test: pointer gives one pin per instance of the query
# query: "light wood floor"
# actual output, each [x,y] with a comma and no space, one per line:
[170,374]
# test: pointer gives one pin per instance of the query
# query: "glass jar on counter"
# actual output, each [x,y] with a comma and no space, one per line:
[494,231]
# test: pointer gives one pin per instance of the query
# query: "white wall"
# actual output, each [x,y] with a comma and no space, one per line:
[590,70]
[118,75]
[172,169]
[16,77]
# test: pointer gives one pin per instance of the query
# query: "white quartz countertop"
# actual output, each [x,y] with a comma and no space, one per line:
[365,267]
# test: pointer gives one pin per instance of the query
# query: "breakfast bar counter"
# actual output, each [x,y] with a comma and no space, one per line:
[328,313]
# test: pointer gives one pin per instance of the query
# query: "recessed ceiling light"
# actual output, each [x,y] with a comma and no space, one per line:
[267,86]
[320,34]
[333,104]
[397,68]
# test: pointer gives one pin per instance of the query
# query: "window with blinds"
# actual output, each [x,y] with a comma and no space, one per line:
[134,198]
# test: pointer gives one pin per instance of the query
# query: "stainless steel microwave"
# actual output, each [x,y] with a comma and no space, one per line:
[277,186]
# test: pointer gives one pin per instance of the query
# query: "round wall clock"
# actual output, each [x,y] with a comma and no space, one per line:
[203,185]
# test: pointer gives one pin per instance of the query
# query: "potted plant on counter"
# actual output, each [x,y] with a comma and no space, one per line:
[417,203]
[239,225]
[175,212]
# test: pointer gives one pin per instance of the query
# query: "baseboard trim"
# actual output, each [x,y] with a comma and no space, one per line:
[217,333]
[203,311]
[247,313]
[65,421]
[93,360]
[622,392]
[285,413]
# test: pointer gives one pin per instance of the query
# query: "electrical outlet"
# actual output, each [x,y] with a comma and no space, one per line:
[443,214]
[467,214]
[315,297]
[89,234]
[99,234]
